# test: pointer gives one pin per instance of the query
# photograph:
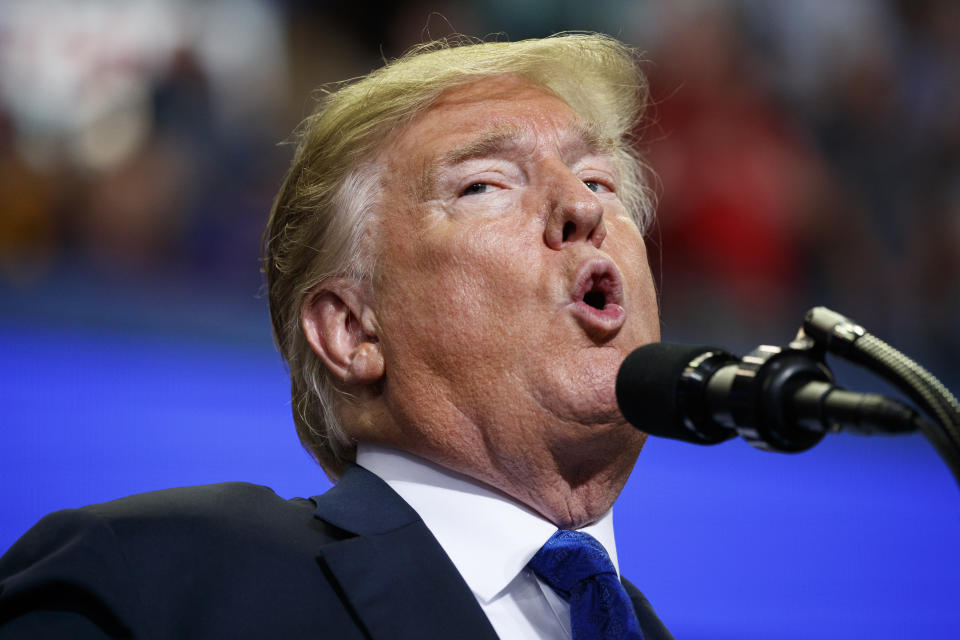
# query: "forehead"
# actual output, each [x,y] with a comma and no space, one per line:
[489,115]
[506,89]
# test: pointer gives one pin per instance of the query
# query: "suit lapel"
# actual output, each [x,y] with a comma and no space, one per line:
[651,625]
[392,574]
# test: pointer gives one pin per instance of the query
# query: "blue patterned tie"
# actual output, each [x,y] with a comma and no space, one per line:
[578,568]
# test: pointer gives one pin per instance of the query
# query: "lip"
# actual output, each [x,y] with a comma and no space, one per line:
[598,277]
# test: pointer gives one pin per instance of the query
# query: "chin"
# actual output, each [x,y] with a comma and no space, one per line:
[589,409]
[588,454]
[587,394]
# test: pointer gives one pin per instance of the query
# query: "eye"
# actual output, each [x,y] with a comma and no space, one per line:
[476,188]
[596,186]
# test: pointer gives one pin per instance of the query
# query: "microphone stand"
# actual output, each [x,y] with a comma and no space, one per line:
[827,330]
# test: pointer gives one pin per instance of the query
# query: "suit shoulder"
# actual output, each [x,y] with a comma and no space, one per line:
[207,518]
[207,558]
[220,513]
[211,500]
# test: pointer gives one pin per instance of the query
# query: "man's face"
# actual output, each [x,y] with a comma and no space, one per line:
[511,283]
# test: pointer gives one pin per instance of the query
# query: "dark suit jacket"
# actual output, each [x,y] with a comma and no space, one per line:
[236,561]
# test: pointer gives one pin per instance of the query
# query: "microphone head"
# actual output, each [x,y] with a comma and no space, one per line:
[659,386]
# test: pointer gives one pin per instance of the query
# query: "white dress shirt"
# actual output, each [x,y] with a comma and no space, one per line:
[489,537]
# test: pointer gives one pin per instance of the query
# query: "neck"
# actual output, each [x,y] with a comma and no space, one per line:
[579,485]
[570,473]
[571,487]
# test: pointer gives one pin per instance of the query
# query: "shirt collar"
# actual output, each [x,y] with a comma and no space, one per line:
[488,536]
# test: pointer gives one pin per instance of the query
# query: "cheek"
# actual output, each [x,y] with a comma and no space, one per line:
[457,287]
[629,251]
[627,246]
[488,263]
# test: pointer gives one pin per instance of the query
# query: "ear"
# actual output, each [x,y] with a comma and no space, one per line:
[342,330]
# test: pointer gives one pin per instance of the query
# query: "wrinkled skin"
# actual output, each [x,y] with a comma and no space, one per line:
[474,347]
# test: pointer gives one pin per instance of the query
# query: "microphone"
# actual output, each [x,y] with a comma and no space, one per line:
[776,399]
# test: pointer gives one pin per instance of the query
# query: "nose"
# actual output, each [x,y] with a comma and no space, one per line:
[576,214]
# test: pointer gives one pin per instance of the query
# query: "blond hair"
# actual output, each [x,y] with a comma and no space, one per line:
[325,206]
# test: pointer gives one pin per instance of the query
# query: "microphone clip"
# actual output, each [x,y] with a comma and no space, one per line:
[765,397]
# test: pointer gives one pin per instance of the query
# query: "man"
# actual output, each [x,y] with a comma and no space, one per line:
[456,270]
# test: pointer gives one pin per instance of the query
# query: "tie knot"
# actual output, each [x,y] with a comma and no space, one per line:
[569,558]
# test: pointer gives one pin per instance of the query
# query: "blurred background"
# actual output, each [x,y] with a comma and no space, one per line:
[805,152]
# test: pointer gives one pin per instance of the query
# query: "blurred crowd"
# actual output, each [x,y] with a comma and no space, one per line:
[809,153]
[805,152]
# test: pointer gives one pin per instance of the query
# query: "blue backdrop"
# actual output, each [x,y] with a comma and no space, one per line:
[856,538]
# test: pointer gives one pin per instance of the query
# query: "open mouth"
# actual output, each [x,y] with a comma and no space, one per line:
[597,297]
[598,285]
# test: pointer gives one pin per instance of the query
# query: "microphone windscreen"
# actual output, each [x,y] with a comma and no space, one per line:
[648,388]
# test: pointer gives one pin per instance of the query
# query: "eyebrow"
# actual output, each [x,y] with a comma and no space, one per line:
[489,143]
[592,135]
[501,137]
